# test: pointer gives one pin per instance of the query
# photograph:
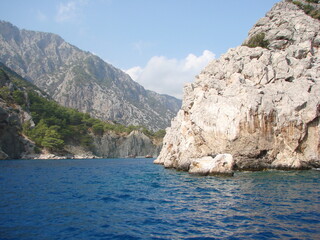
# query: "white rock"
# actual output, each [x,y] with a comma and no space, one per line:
[262,106]
[222,164]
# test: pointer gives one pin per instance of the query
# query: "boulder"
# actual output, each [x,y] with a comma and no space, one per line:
[222,164]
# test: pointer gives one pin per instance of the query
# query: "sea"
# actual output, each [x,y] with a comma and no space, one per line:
[136,199]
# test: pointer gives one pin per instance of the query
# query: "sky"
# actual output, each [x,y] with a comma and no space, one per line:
[161,44]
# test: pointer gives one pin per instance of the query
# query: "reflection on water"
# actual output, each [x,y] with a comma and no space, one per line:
[134,199]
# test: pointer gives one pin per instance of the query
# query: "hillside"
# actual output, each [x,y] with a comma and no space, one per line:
[81,80]
[258,106]
[31,124]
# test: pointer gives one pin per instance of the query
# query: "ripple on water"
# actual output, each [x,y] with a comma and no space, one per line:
[135,199]
[109,199]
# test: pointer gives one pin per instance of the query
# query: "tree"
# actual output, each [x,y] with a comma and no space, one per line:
[98,129]
[52,140]
[160,134]
[18,97]
[38,132]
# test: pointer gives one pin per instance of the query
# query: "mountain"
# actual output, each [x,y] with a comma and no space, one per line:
[32,125]
[81,80]
[257,106]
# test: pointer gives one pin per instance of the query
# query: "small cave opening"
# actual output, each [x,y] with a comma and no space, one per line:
[262,154]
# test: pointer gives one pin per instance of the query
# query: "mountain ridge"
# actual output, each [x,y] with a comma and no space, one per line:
[81,80]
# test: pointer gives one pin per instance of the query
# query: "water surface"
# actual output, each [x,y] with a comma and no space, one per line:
[135,199]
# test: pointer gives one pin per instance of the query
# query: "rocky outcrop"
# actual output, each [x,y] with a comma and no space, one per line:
[135,144]
[83,81]
[12,143]
[261,105]
[221,164]
[110,145]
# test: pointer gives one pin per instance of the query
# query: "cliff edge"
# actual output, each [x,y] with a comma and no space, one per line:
[259,102]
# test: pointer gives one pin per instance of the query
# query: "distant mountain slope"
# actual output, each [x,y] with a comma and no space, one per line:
[34,126]
[81,80]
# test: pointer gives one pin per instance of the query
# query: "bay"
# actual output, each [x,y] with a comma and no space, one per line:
[135,199]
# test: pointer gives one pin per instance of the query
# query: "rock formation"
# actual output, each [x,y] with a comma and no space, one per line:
[111,145]
[261,105]
[83,81]
[221,164]
[12,143]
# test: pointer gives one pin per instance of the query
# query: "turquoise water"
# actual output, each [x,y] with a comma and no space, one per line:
[135,199]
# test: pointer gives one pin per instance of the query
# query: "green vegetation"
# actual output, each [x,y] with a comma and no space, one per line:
[19,98]
[5,94]
[160,134]
[56,125]
[257,41]
[313,1]
[308,8]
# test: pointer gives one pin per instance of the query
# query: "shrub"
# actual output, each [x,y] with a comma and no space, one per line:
[309,9]
[98,129]
[52,140]
[313,1]
[18,97]
[315,14]
[5,94]
[160,134]
[257,41]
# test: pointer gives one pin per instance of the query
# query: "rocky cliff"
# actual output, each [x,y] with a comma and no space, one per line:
[81,80]
[115,145]
[19,118]
[259,105]
[112,145]
[12,142]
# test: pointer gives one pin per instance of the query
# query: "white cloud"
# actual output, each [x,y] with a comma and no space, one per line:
[168,76]
[69,11]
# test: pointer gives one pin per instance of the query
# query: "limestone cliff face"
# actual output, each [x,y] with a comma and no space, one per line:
[113,145]
[81,80]
[260,105]
[136,143]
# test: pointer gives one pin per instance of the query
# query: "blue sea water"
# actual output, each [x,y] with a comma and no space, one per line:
[135,199]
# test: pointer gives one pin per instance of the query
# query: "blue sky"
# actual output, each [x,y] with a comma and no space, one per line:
[161,43]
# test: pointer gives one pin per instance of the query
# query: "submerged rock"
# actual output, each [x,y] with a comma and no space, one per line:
[261,105]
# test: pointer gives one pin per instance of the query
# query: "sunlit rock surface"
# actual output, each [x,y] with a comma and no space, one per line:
[260,105]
